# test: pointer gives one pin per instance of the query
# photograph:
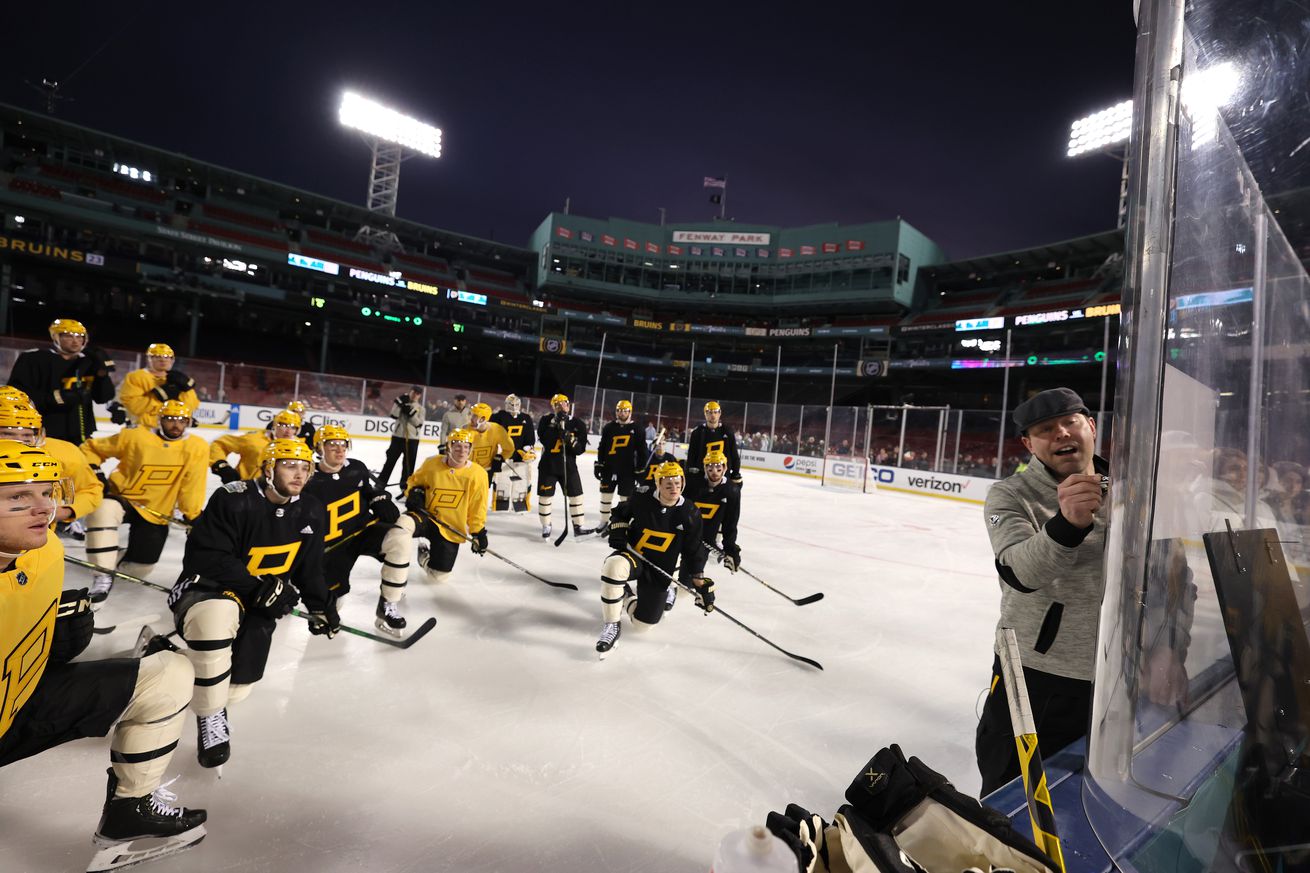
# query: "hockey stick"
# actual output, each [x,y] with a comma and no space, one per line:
[692,589]
[568,519]
[804,601]
[390,641]
[146,510]
[439,523]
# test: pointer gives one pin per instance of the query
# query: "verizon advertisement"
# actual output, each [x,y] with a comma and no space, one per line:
[967,488]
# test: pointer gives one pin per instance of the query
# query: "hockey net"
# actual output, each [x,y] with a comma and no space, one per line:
[844,471]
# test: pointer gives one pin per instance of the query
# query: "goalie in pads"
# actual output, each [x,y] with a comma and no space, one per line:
[512,476]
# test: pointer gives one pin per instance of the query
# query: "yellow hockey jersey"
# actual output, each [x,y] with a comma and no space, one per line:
[250,446]
[87,490]
[457,498]
[157,473]
[29,601]
[485,443]
[137,394]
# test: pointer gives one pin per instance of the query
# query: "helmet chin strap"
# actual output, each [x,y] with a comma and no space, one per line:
[165,437]
[271,486]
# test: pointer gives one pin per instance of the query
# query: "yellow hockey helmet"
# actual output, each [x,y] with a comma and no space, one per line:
[623,404]
[67,325]
[716,456]
[160,350]
[285,450]
[298,407]
[20,464]
[713,406]
[667,469]
[330,432]
[9,392]
[288,417]
[559,398]
[481,410]
[14,414]
[175,409]
[460,435]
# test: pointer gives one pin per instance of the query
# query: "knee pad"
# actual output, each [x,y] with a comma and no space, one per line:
[210,628]
[163,688]
[637,625]
[436,577]
[543,505]
[397,546]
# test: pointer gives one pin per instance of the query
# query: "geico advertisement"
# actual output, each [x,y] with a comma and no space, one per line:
[254,417]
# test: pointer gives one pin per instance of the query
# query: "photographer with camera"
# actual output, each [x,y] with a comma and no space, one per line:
[64,380]
[407,413]
[1047,526]
[144,391]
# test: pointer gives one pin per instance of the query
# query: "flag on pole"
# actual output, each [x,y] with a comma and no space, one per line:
[715,182]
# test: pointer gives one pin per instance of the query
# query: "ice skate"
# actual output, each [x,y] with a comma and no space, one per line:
[546,530]
[670,596]
[76,530]
[101,585]
[389,619]
[609,635]
[148,642]
[137,829]
[214,740]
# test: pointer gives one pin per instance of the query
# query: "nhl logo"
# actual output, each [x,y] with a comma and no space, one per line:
[993,520]
[22,578]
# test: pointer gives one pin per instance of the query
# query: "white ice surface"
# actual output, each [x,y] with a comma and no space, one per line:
[500,742]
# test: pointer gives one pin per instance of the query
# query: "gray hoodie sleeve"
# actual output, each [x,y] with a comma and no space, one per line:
[1033,543]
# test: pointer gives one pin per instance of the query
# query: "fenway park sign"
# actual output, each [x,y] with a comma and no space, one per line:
[719,237]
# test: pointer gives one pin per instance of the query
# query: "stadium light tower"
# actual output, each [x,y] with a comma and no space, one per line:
[393,138]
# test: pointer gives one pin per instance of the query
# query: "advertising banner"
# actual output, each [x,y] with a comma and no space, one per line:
[966,488]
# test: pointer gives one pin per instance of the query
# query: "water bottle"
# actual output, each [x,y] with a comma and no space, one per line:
[753,850]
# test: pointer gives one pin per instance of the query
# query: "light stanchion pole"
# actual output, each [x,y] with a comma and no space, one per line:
[1005,403]
[832,397]
[691,374]
[596,390]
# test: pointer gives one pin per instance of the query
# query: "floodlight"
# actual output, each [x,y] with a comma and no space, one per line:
[389,125]
[1101,130]
[1203,93]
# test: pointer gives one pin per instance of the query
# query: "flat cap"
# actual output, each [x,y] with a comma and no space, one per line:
[1048,404]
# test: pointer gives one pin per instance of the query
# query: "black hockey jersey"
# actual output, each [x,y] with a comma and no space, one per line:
[663,534]
[63,390]
[557,440]
[520,430]
[646,478]
[242,534]
[704,439]
[619,446]
[720,509]
[306,434]
[347,496]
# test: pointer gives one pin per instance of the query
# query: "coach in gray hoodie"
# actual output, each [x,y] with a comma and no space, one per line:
[1047,525]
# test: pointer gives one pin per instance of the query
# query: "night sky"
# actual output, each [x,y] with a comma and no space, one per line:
[955,121]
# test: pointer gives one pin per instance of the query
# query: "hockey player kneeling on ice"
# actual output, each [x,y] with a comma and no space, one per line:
[359,513]
[719,502]
[285,425]
[513,474]
[158,471]
[446,502]
[563,438]
[663,527]
[54,701]
[256,550]
[616,458]
[490,440]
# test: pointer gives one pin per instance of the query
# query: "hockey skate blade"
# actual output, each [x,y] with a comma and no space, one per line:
[397,633]
[118,854]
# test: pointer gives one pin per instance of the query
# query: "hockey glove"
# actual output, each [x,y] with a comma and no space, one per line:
[731,558]
[599,470]
[618,538]
[736,480]
[104,364]
[383,509]
[705,594]
[160,393]
[117,414]
[693,471]
[478,542]
[527,455]
[274,596]
[223,470]
[176,383]
[326,622]
[193,519]
[74,624]
[416,499]
[803,832]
